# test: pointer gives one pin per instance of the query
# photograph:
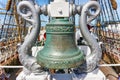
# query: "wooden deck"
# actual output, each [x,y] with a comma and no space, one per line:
[109,72]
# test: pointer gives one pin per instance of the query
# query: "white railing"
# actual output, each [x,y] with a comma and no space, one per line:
[110,65]
[11,66]
[101,65]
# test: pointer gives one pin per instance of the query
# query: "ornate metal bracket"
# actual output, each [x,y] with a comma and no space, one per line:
[92,60]
[32,16]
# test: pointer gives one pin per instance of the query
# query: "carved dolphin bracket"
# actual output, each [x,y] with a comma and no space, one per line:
[93,59]
[32,16]
[29,12]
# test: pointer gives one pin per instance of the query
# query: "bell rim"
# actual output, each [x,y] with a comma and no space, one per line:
[70,62]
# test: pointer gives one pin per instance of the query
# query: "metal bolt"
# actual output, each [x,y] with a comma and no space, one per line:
[60,11]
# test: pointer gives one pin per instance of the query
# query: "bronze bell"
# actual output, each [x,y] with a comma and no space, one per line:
[60,50]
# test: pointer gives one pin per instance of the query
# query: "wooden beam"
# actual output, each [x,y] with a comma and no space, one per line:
[3,13]
[11,24]
[2,9]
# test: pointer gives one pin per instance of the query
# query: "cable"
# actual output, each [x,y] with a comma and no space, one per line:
[3,25]
[112,13]
[8,26]
[104,65]
[11,66]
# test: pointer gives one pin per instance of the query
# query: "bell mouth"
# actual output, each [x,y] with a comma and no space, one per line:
[61,62]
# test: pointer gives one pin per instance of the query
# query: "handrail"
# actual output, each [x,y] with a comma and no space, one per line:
[11,66]
[101,65]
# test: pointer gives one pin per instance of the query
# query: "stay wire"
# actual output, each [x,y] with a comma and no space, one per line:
[106,7]
[112,12]
[104,14]
[103,26]
[13,2]
[8,26]
[2,29]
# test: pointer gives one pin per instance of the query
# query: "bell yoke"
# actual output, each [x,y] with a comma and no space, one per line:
[60,50]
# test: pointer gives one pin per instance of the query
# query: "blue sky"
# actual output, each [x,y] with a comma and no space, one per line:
[42,2]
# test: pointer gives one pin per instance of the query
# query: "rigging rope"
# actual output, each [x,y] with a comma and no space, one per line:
[8,26]
[2,29]
[17,21]
[9,1]
[106,16]
[111,10]
[117,15]
[103,14]
[107,13]
[110,42]
[7,8]
[102,20]
[112,22]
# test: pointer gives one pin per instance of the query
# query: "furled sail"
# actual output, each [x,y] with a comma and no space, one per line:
[8,5]
[114,4]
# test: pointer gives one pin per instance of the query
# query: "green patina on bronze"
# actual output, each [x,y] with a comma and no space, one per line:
[60,50]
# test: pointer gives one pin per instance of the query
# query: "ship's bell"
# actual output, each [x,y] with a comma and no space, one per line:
[60,50]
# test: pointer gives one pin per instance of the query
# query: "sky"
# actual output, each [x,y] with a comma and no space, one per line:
[42,2]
